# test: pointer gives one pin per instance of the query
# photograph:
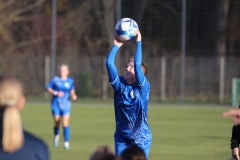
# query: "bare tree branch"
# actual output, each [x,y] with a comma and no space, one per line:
[28,8]
[35,41]
[4,5]
[109,10]
[8,17]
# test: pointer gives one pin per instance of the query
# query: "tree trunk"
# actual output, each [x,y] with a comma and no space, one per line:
[109,18]
[222,17]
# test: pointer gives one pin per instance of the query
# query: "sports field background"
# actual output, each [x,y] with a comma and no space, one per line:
[182,132]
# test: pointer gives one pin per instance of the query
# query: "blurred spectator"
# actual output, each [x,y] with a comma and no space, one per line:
[235,139]
[15,142]
[133,152]
[103,153]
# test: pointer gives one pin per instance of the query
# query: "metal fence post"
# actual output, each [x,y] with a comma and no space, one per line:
[163,78]
[221,79]
[47,73]
[183,49]
[104,81]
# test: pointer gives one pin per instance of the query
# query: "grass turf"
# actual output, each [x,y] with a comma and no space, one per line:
[179,132]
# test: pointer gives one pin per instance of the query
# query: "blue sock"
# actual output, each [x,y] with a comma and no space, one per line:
[56,131]
[66,133]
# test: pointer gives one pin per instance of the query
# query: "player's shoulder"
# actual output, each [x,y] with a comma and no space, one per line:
[36,146]
[121,78]
[147,81]
[69,79]
[145,85]
[32,139]
[55,78]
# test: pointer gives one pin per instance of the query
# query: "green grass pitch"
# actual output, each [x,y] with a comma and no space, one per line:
[179,132]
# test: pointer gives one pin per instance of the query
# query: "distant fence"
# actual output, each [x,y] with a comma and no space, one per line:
[206,79]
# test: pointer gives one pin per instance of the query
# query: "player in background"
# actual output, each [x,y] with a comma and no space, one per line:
[16,143]
[62,88]
[131,95]
[235,139]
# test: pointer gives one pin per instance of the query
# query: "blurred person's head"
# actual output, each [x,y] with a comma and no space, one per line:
[103,153]
[133,152]
[63,71]
[11,101]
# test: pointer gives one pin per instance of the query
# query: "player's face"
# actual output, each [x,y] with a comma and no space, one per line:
[129,71]
[64,71]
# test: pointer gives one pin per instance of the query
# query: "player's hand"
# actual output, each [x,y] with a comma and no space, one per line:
[74,97]
[118,42]
[60,94]
[235,114]
[138,35]
[235,153]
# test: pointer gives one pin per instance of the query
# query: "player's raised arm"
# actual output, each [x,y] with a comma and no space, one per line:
[111,68]
[138,60]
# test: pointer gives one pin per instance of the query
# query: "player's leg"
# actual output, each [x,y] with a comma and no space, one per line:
[56,128]
[119,147]
[120,144]
[66,128]
[146,149]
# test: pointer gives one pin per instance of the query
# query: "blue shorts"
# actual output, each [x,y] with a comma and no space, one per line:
[122,143]
[59,109]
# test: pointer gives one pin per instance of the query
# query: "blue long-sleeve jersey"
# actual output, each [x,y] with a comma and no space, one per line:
[130,100]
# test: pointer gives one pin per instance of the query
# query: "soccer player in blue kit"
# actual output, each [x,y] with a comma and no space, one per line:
[61,87]
[131,95]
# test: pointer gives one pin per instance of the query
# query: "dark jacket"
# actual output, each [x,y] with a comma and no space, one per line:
[33,149]
[235,140]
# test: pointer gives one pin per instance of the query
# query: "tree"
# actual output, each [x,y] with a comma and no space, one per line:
[14,20]
[233,32]
[222,18]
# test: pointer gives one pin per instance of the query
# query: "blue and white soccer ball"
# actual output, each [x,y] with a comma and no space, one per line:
[125,29]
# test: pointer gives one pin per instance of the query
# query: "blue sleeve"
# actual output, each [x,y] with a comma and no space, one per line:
[43,152]
[137,64]
[50,84]
[38,146]
[111,68]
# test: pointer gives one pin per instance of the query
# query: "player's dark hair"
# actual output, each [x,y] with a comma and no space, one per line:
[103,153]
[143,65]
[133,152]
